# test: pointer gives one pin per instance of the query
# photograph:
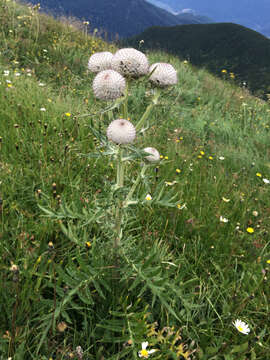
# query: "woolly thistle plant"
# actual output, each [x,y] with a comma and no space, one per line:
[105,225]
[111,85]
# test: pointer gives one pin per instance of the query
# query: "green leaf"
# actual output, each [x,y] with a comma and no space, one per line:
[239,348]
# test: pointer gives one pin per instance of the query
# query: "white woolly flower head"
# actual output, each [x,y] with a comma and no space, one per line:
[163,75]
[130,62]
[121,131]
[100,61]
[154,154]
[108,85]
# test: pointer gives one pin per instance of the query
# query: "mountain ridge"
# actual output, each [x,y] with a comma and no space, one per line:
[218,46]
[252,14]
[114,17]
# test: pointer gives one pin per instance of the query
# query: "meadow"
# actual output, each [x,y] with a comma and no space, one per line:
[194,253]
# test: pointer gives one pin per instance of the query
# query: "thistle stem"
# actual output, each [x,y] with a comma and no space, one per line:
[134,186]
[125,103]
[148,110]
[119,184]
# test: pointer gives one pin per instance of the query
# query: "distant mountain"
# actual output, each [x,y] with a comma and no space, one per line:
[116,17]
[237,49]
[251,13]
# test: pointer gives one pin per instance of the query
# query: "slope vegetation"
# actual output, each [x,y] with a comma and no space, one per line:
[187,268]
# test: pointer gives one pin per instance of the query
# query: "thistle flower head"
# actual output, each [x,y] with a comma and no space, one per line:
[108,85]
[100,61]
[163,75]
[121,131]
[154,154]
[130,62]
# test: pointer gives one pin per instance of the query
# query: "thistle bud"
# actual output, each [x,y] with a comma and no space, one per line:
[121,131]
[163,75]
[100,61]
[108,85]
[130,62]
[154,154]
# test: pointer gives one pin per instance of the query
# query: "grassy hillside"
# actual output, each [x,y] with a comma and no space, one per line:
[192,260]
[217,47]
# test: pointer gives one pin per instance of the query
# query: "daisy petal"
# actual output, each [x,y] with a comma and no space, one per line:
[144,345]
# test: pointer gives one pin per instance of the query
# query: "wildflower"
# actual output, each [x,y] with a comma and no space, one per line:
[169,183]
[148,197]
[6,72]
[130,62]
[145,353]
[180,207]
[121,131]
[255,213]
[163,74]
[268,261]
[210,157]
[221,158]
[41,84]
[185,62]
[42,109]
[108,85]
[258,174]
[154,154]
[241,327]
[100,61]
[68,114]
[226,200]
[178,171]
[223,219]
[88,244]
[62,326]
[266,181]
[232,76]
[17,74]
[250,230]
[224,71]
[202,152]
[166,157]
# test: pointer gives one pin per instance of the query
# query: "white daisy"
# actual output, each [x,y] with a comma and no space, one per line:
[145,353]
[148,198]
[242,327]
[223,219]
[266,181]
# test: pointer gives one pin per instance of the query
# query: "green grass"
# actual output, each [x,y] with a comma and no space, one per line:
[181,277]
